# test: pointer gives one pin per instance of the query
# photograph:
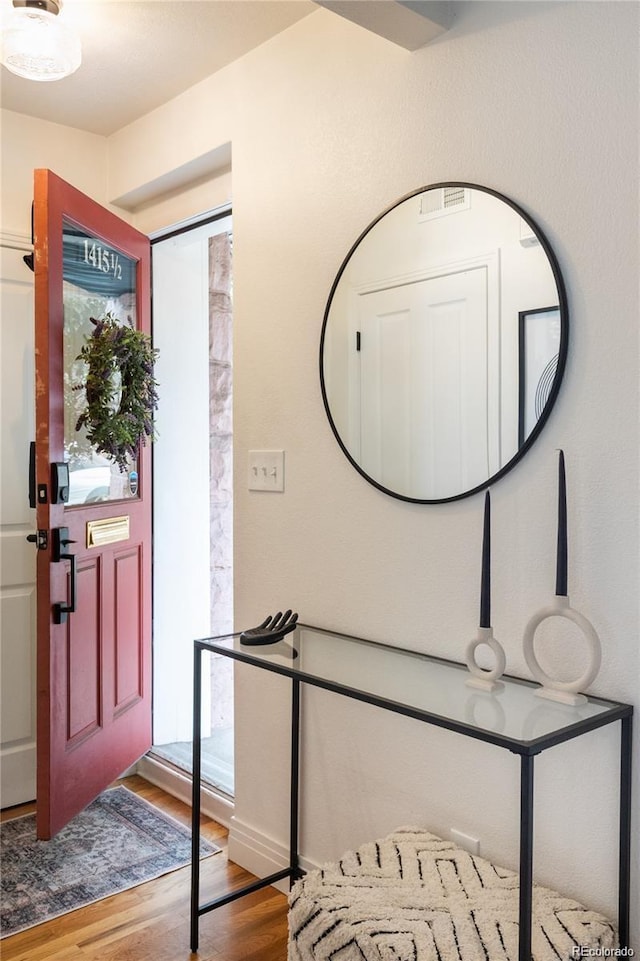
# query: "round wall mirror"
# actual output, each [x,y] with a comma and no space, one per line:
[443,343]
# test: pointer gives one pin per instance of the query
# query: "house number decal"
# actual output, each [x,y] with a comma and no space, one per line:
[95,266]
[100,258]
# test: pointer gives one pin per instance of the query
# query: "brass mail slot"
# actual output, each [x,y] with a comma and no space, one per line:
[107,531]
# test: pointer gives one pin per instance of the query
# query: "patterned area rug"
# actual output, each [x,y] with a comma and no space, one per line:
[414,897]
[118,842]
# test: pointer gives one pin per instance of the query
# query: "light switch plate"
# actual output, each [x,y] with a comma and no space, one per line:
[266,470]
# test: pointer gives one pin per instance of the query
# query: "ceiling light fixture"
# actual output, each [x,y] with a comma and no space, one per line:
[37,44]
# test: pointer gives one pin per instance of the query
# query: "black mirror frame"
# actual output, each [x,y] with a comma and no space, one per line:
[562,353]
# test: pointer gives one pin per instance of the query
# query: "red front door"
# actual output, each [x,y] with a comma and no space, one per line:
[94,519]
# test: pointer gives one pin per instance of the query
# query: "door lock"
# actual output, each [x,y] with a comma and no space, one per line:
[40,539]
[59,482]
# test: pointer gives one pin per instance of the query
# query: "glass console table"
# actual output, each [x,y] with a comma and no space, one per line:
[431,690]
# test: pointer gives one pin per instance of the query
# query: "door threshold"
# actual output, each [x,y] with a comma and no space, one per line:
[213,804]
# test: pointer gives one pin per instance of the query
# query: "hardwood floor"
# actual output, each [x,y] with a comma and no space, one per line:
[151,922]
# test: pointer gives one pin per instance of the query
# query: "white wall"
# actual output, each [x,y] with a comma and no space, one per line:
[329,125]
[27,143]
[538,103]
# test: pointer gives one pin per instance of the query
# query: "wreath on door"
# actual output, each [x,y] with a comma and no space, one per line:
[120,387]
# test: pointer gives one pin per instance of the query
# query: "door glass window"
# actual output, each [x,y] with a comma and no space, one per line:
[97,279]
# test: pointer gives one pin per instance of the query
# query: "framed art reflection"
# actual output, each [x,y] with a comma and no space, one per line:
[538,354]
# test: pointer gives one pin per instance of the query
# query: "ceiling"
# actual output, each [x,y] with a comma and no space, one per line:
[137,54]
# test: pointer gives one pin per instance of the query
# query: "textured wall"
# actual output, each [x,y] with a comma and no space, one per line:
[221,432]
[26,143]
[341,125]
[328,126]
[221,470]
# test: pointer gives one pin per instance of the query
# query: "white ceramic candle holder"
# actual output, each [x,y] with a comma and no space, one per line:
[566,692]
[482,679]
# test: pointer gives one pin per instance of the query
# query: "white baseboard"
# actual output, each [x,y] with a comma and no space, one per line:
[18,775]
[213,805]
[260,854]
[248,847]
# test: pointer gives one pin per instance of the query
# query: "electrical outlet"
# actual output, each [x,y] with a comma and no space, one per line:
[266,470]
[465,841]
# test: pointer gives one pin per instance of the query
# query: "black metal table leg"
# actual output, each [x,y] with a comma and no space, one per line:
[295,778]
[526,857]
[197,909]
[624,864]
[195,796]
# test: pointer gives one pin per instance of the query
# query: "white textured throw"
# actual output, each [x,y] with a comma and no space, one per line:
[414,897]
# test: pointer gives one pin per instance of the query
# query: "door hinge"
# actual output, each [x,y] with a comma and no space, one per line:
[29,258]
[40,539]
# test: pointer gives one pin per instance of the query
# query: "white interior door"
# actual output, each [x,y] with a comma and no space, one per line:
[424,383]
[17,520]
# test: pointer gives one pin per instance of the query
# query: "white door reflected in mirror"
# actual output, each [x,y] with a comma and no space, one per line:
[443,343]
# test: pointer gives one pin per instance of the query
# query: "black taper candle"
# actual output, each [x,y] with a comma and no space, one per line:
[561,554]
[485,585]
